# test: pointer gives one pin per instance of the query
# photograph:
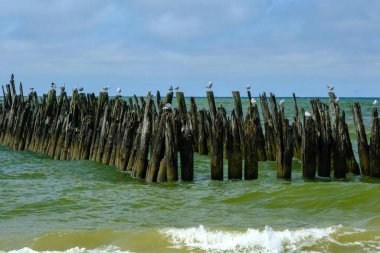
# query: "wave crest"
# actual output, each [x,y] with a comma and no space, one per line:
[267,240]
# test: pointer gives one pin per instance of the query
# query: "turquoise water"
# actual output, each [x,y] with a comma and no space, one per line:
[84,206]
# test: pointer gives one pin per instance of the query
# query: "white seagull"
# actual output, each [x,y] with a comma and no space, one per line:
[248,87]
[282,101]
[209,85]
[171,88]
[307,114]
[176,88]
[62,87]
[106,88]
[118,92]
[330,87]
[167,107]
[253,101]
[31,89]
[81,89]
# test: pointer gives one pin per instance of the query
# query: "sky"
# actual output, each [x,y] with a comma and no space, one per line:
[279,46]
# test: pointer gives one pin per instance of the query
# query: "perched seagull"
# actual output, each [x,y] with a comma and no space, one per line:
[330,87]
[176,88]
[248,87]
[118,90]
[62,87]
[374,102]
[167,107]
[282,101]
[53,86]
[307,114]
[81,89]
[253,101]
[171,88]
[209,85]
[106,88]
[31,89]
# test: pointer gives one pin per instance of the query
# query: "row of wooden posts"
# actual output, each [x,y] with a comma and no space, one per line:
[139,136]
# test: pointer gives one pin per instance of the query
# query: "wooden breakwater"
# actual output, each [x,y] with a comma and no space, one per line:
[148,138]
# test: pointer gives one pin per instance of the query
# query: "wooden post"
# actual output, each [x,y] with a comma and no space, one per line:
[168,170]
[270,135]
[194,124]
[237,105]
[216,154]
[363,147]
[211,104]
[297,130]
[375,145]
[203,137]
[234,152]
[185,140]
[251,142]
[141,163]
[309,151]
[285,148]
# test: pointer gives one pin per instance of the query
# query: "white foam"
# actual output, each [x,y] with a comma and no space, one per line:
[266,240]
[107,249]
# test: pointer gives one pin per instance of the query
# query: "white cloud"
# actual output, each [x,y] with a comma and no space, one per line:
[172,27]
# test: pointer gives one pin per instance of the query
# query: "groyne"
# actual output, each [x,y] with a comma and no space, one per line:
[156,142]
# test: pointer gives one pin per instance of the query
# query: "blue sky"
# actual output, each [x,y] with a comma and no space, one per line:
[277,46]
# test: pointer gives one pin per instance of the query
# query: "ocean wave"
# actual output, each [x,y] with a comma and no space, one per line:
[107,249]
[253,240]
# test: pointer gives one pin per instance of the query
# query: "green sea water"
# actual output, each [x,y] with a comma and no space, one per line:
[84,206]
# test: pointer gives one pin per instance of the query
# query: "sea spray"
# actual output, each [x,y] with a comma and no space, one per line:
[108,249]
[266,240]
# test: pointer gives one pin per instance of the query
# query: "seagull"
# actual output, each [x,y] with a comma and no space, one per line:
[118,90]
[167,107]
[336,100]
[171,88]
[106,88]
[31,89]
[81,89]
[253,101]
[53,86]
[307,114]
[282,101]
[248,87]
[330,87]
[176,88]
[209,85]
[62,87]
[374,102]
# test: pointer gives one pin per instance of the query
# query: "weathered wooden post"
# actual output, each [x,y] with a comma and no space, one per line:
[270,135]
[309,151]
[194,124]
[363,147]
[297,130]
[216,154]
[234,151]
[185,141]
[141,163]
[251,143]
[203,137]
[168,170]
[375,145]
[285,147]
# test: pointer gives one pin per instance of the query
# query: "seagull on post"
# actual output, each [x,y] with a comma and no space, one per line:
[209,85]
[330,87]
[167,107]
[307,114]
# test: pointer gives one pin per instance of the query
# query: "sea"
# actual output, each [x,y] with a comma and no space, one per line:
[83,206]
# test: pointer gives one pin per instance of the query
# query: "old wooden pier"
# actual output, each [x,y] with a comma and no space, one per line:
[148,138]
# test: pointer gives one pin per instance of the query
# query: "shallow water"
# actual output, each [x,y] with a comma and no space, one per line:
[83,206]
